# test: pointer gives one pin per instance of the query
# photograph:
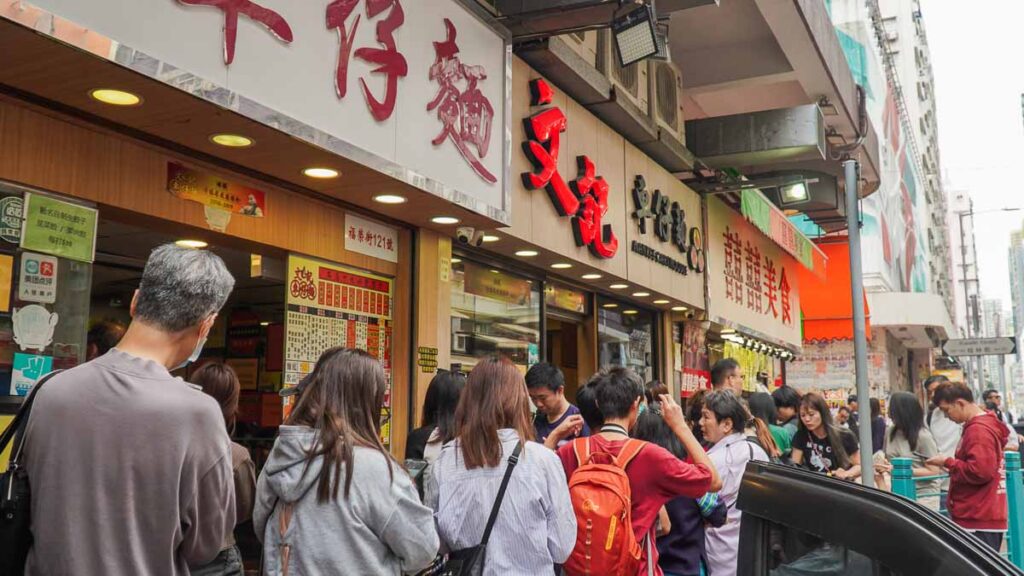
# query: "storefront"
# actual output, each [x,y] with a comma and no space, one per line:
[322,182]
[603,260]
[754,289]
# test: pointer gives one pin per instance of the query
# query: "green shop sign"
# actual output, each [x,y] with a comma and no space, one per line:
[760,212]
[59,228]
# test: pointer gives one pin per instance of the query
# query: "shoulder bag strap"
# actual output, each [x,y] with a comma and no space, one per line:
[581,446]
[512,461]
[20,421]
[650,556]
[283,520]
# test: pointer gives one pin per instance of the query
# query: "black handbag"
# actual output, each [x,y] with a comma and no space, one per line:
[15,501]
[470,561]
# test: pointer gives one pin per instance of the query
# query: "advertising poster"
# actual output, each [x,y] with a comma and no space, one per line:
[496,285]
[332,305]
[696,369]
[59,228]
[27,370]
[214,192]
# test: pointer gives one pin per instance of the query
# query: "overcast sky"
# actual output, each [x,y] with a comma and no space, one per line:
[976,52]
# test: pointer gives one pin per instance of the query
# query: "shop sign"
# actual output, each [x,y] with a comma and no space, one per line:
[760,212]
[214,191]
[668,220]
[27,370]
[59,228]
[565,299]
[370,238]
[417,87]
[427,360]
[585,199]
[695,366]
[37,281]
[10,218]
[495,285]
[751,281]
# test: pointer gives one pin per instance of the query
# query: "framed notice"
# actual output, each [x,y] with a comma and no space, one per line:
[331,305]
[53,226]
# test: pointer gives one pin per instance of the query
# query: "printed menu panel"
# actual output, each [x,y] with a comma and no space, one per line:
[332,305]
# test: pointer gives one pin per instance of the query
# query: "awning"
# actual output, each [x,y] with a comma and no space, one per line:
[827,303]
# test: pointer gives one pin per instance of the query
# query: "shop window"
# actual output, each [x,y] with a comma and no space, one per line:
[626,337]
[494,312]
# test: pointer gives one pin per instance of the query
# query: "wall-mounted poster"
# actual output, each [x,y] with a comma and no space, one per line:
[332,305]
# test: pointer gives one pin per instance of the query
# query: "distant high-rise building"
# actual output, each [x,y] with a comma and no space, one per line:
[1017,282]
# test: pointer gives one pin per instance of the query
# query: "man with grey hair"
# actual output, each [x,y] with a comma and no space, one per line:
[130,467]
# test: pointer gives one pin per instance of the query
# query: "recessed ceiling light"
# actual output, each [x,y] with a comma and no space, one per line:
[561,265]
[491,238]
[115,97]
[629,312]
[728,331]
[389,199]
[526,253]
[610,305]
[232,140]
[591,276]
[444,220]
[679,308]
[456,260]
[619,286]
[322,173]
[661,301]
[196,244]
[264,323]
[641,294]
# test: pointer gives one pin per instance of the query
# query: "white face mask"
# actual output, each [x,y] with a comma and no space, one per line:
[195,355]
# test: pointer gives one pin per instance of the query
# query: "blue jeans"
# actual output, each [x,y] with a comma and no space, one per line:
[227,563]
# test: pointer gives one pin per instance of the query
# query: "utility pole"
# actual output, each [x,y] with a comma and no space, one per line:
[860,340]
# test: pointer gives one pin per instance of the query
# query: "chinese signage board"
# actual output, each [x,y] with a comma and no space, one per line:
[573,195]
[37,281]
[774,224]
[417,87]
[565,298]
[210,190]
[331,305]
[59,228]
[496,285]
[370,238]
[752,282]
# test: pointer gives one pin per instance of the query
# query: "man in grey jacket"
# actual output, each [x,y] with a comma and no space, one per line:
[131,467]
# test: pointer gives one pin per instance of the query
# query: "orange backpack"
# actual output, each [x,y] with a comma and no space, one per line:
[600,494]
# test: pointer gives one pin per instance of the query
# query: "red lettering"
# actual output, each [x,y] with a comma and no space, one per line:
[273,21]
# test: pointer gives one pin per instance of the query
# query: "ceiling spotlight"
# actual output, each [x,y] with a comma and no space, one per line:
[610,305]
[526,253]
[115,97]
[630,312]
[446,220]
[321,173]
[456,260]
[389,199]
[232,140]
[561,265]
[264,323]
[661,301]
[619,286]
[793,193]
[679,308]
[641,294]
[194,244]
[491,238]
[591,276]
[635,36]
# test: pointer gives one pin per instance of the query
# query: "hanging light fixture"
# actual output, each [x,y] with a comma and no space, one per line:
[635,36]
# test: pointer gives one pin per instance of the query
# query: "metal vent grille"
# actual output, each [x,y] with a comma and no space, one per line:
[668,97]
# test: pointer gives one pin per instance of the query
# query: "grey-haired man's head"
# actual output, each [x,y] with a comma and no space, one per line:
[181,288]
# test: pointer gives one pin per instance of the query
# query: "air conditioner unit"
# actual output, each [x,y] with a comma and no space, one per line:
[630,83]
[665,85]
[584,44]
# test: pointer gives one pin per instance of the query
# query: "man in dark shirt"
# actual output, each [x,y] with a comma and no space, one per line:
[546,386]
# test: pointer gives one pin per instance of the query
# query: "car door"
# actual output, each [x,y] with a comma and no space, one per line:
[799,523]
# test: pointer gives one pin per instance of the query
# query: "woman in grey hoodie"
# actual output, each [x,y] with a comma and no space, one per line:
[348,507]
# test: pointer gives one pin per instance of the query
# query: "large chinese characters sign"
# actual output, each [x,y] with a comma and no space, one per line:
[585,199]
[752,281]
[415,89]
[669,222]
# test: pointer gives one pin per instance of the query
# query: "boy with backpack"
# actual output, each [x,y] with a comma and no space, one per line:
[617,485]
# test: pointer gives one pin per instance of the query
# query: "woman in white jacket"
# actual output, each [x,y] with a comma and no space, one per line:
[723,422]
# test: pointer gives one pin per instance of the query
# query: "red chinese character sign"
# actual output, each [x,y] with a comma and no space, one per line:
[751,280]
[271,20]
[466,114]
[585,199]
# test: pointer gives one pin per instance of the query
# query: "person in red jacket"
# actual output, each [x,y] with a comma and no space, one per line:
[977,488]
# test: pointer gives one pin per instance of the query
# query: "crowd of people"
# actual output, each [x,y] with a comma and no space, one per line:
[133,470]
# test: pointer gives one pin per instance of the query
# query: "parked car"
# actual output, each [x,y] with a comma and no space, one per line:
[798,523]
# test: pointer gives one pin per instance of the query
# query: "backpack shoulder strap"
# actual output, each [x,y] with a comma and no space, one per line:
[628,452]
[16,429]
[581,446]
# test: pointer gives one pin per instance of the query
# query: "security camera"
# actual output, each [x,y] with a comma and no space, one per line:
[469,235]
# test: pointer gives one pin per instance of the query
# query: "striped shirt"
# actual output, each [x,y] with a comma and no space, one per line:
[536,526]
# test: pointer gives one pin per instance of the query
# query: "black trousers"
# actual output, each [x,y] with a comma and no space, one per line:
[993,539]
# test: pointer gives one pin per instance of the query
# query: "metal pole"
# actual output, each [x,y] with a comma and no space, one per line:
[1015,512]
[967,297]
[860,341]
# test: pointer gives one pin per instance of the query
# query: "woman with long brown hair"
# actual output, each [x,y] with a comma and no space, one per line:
[331,499]
[535,526]
[820,445]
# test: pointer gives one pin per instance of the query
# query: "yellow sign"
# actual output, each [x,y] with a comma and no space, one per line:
[6,273]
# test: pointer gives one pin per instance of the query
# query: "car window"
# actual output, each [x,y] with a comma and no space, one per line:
[795,553]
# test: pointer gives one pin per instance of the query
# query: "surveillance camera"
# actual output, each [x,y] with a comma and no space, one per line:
[464,234]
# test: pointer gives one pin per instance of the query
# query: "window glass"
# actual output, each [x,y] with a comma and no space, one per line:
[795,553]
[494,312]
[626,336]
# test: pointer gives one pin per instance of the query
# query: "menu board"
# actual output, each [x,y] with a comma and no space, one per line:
[331,305]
